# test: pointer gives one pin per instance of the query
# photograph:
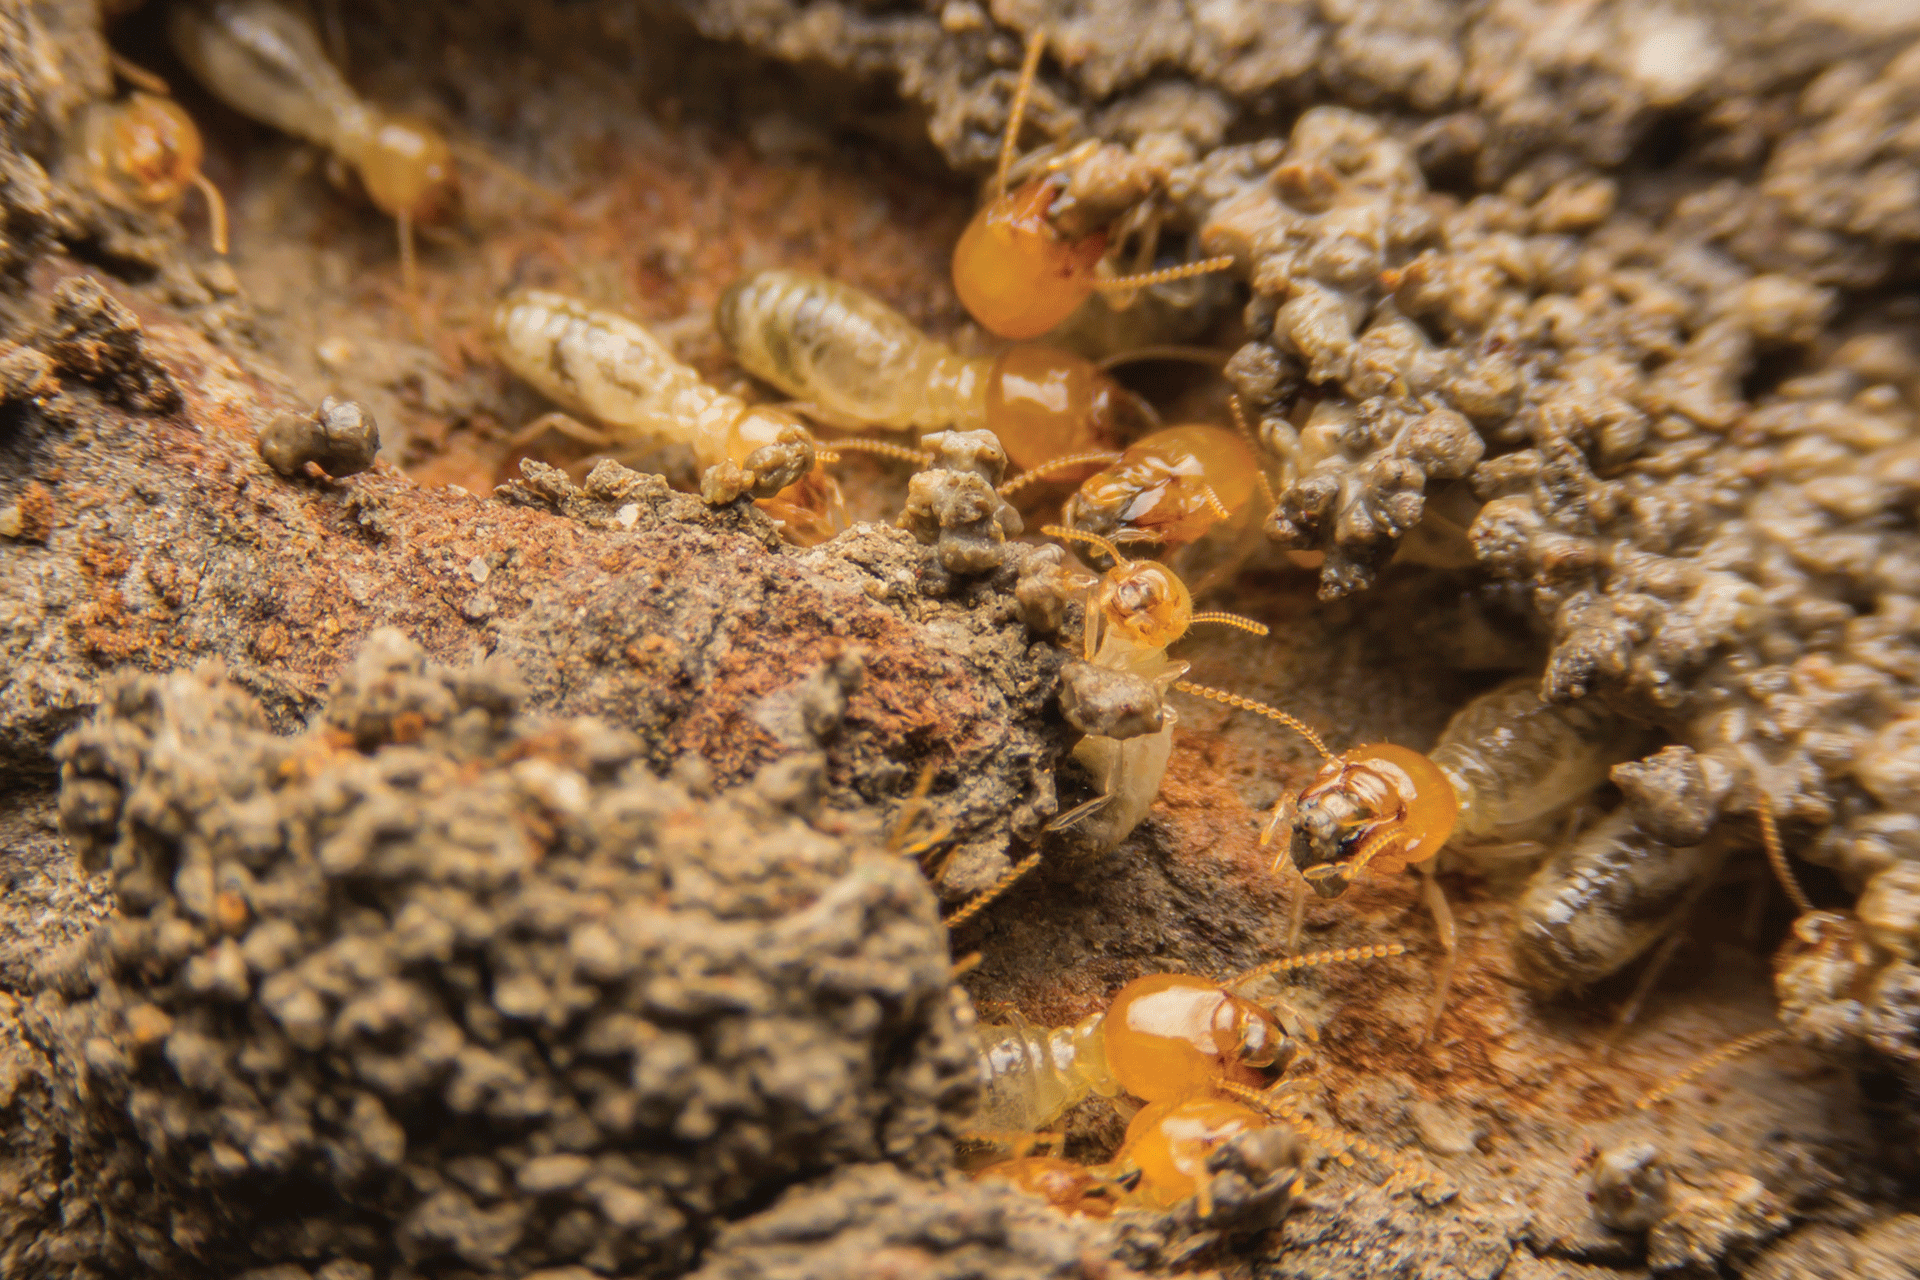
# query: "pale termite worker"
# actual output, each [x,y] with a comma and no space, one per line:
[1139,608]
[857,362]
[265,60]
[612,369]
[1505,761]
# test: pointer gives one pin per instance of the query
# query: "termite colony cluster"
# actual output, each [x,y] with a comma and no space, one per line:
[1702,495]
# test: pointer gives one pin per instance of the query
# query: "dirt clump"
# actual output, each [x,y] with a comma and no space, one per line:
[435,984]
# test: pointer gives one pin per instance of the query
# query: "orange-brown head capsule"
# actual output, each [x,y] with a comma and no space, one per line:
[1173,1035]
[1044,403]
[407,168]
[156,149]
[1170,1142]
[1379,806]
[1169,487]
[1068,1187]
[1145,604]
[1014,272]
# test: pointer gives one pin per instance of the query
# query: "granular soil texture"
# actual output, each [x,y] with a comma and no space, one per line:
[1580,340]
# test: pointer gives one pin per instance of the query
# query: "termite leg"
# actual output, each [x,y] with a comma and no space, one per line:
[216,212]
[978,903]
[409,275]
[1449,942]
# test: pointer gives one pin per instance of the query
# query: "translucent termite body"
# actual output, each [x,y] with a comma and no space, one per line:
[1512,759]
[860,363]
[1162,1038]
[1602,900]
[265,60]
[612,369]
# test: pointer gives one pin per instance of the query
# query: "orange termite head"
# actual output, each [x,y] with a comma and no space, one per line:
[1170,1142]
[1379,805]
[1014,273]
[1169,1036]
[1146,603]
[1045,403]
[1170,487]
[407,168]
[154,149]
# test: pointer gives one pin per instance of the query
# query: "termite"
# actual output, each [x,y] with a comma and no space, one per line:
[1844,979]
[1019,269]
[1189,1048]
[1167,489]
[612,369]
[1162,1038]
[858,363]
[1504,760]
[1139,608]
[265,61]
[142,152]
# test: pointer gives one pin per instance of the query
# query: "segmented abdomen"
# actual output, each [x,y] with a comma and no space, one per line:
[1602,900]
[848,353]
[1030,1076]
[266,62]
[1512,758]
[610,368]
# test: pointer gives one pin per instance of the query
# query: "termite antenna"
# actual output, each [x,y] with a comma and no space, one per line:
[1700,1066]
[480,158]
[1017,110]
[137,76]
[216,212]
[879,449]
[1066,462]
[1259,472]
[1147,279]
[409,276]
[912,811]
[1239,703]
[1286,964]
[1091,539]
[1777,855]
[978,903]
[1226,619]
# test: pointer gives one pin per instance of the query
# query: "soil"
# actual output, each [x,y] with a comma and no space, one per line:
[478,605]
